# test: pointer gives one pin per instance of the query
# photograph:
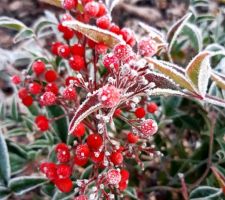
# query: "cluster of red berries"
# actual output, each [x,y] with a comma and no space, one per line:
[141,113]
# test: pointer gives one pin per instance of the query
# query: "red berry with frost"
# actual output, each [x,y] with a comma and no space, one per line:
[77,49]
[50,75]
[71,80]
[109,96]
[62,152]
[131,138]
[97,157]
[16,79]
[69,93]
[148,127]
[47,99]
[42,123]
[64,51]
[64,185]
[102,10]
[35,88]
[147,47]
[114,28]
[128,36]
[38,67]
[61,147]
[67,17]
[103,22]
[152,107]
[79,131]
[101,49]
[110,61]
[117,112]
[69,4]
[92,9]
[54,47]
[63,171]
[27,101]
[81,197]
[122,52]
[123,185]
[49,169]
[113,177]
[52,87]
[82,153]
[22,93]
[140,112]
[77,63]
[116,158]
[94,141]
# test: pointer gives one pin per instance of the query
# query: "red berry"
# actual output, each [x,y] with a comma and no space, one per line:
[131,138]
[122,52]
[111,62]
[69,4]
[77,49]
[38,67]
[115,29]
[61,147]
[42,123]
[79,130]
[140,112]
[113,177]
[67,17]
[109,96]
[81,197]
[64,185]
[68,34]
[102,10]
[86,1]
[50,75]
[122,185]
[62,28]
[63,171]
[124,174]
[116,158]
[103,22]
[35,88]
[27,101]
[49,169]
[91,43]
[52,87]
[64,51]
[94,141]
[77,63]
[47,99]
[70,79]
[91,9]
[117,112]
[16,79]
[97,157]
[63,156]
[147,47]
[128,36]
[54,47]
[152,107]
[101,48]
[82,154]
[149,127]
[22,93]
[69,93]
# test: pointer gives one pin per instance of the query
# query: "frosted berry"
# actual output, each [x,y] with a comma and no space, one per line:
[69,4]
[109,96]
[38,67]
[35,88]
[111,62]
[147,47]
[27,101]
[64,185]
[102,10]
[149,127]
[22,93]
[114,28]
[113,177]
[92,9]
[101,49]
[49,169]
[152,107]
[77,49]
[50,75]
[128,36]
[140,112]
[94,141]
[103,22]
[42,123]
[117,112]
[71,79]
[79,131]
[81,197]
[131,138]
[82,154]
[116,158]
[16,79]
[47,99]
[122,52]
[61,147]
[97,157]
[64,51]
[63,156]
[69,93]
[54,47]
[63,171]
[77,63]
[52,87]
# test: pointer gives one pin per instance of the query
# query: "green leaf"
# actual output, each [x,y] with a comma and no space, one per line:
[11,23]
[23,184]
[63,196]
[5,169]
[205,193]
[130,191]
[14,110]
[40,143]
[17,149]
[17,132]
[86,173]
[4,193]
[25,33]
[17,163]
[2,110]
[61,125]
[42,24]
[96,34]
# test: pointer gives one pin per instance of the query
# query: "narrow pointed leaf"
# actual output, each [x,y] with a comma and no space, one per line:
[4,193]
[199,71]
[96,34]
[219,80]
[11,23]
[205,193]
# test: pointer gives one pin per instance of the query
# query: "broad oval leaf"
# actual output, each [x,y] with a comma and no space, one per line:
[175,75]
[25,33]
[23,184]
[5,170]
[205,193]
[199,71]
[94,33]
[219,79]
[11,23]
